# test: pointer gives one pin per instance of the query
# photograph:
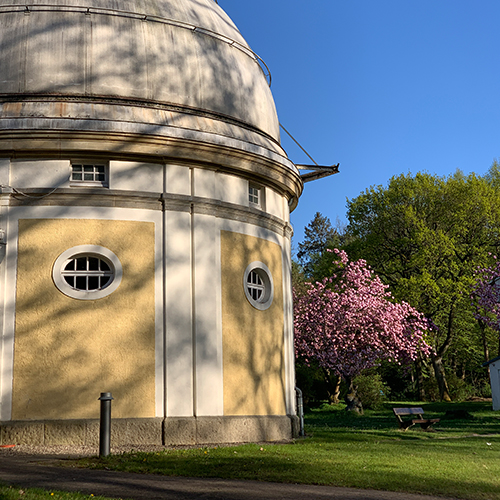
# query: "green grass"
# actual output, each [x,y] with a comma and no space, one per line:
[17,493]
[460,459]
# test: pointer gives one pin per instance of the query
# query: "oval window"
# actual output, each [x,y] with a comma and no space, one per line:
[87,272]
[258,285]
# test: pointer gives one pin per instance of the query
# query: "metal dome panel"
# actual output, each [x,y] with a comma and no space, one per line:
[184,53]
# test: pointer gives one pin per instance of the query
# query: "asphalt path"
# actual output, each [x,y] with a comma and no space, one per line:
[42,471]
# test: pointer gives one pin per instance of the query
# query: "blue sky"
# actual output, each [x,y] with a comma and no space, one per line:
[382,87]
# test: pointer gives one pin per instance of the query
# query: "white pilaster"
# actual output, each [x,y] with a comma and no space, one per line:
[8,300]
[179,315]
[207,323]
[289,347]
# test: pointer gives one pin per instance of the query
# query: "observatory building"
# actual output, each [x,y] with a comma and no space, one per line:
[144,230]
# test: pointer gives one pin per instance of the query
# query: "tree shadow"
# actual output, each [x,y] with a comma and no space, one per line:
[101,73]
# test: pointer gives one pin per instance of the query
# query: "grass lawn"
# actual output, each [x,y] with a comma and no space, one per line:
[460,459]
[17,493]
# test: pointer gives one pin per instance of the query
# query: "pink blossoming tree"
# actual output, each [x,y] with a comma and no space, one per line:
[349,322]
[486,300]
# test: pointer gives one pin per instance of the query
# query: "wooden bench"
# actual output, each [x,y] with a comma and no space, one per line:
[425,423]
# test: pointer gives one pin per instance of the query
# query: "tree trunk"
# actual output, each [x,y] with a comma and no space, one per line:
[486,351]
[420,379]
[336,390]
[332,386]
[351,398]
[437,358]
[444,393]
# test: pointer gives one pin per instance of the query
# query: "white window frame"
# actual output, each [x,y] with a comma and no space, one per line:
[87,251]
[266,285]
[89,182]
[255,195]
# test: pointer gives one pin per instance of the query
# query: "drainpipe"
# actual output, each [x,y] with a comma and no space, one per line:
[300,410]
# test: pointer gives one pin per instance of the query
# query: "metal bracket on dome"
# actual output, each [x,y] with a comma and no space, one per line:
[318,171]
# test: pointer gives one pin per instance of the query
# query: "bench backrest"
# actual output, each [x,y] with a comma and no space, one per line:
[408,411]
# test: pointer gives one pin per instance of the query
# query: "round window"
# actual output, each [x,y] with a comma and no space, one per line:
[87,272]
[258,285]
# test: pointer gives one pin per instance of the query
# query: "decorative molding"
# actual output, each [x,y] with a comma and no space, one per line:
[55,100]
[102,197]
[31,139]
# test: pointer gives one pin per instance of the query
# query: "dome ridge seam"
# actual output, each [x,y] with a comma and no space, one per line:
[126,101]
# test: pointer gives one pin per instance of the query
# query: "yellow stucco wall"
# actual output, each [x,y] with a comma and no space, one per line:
[253,358]
[68,351]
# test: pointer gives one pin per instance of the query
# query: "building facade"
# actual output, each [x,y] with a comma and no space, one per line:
[144,231]
[494,369]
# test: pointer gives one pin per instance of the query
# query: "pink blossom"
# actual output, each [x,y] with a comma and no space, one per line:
[349,322]
[486,295]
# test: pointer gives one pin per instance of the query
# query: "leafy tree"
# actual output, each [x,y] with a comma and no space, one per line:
[493,175]
[319,235]
[349,322]
[298,277]
[425,235]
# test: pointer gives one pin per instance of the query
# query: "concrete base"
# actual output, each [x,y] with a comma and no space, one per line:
[211,430]
[81,432]
[169,431]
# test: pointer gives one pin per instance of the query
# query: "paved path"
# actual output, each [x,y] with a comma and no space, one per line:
[42,472]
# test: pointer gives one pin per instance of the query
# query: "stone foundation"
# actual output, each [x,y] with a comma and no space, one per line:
[158,431]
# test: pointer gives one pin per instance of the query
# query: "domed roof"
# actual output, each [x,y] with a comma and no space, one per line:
[172,70]
[184,52]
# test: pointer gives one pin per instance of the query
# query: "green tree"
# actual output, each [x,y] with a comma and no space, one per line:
[493,174]
[319,235]
[425,235]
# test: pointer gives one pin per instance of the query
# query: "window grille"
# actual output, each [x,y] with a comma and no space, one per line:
[258,283]
[254,195]
[89,173]
[87,273]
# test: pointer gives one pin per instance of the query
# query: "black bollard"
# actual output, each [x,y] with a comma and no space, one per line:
[105,425]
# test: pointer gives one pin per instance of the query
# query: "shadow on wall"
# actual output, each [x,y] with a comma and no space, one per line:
[253,340]
[118,56]
[79,348]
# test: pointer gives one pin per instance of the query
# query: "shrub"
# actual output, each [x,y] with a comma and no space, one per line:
[459,389]
[371,390]
[431,389]
[485,389]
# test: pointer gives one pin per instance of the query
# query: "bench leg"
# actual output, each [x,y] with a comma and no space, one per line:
[426,425]
[405,425]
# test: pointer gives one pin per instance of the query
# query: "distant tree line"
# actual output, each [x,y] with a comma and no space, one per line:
[432,240]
